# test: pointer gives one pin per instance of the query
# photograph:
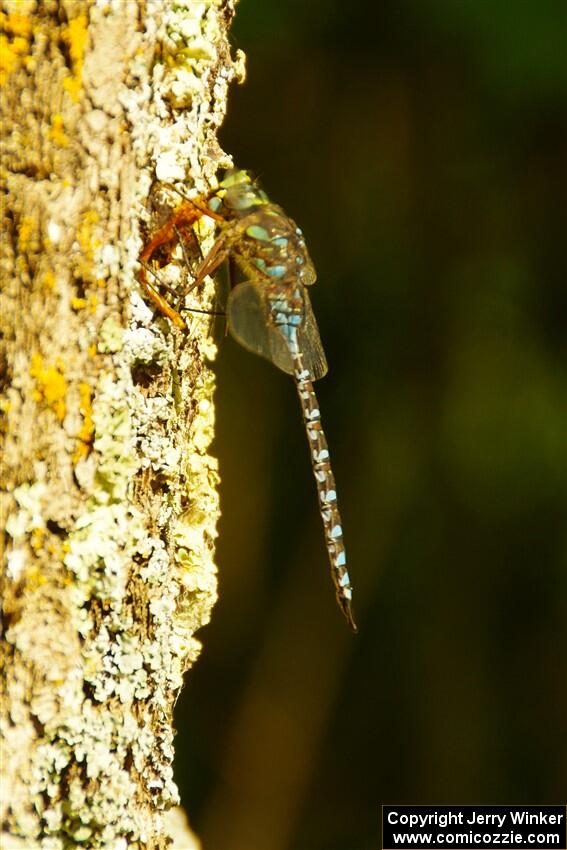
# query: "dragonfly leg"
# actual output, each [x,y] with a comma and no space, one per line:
[180,224]
[158,300]
[212,262]
[170,289]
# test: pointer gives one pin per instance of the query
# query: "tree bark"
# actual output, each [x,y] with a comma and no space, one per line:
[109,499]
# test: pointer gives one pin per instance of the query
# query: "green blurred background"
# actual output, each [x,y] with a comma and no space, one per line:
[421,146]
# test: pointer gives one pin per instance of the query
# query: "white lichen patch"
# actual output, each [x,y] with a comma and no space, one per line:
[110,260]
[54,232]
[169,168]
[145,345]
[16,560]
[30,499]
[186,120]
[110,338]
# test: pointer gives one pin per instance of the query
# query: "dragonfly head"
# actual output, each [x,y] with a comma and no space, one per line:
[238,193]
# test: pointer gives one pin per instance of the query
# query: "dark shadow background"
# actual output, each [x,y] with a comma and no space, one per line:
[421,146]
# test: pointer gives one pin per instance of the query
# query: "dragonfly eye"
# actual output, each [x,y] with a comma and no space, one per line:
[236,177]
[243,200]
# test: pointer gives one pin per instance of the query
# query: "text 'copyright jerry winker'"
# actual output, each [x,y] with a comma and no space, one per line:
[486,827]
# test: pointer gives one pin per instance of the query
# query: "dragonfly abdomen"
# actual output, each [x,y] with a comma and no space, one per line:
[326,489]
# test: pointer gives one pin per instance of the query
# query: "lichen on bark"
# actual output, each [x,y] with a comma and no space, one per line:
[109,494]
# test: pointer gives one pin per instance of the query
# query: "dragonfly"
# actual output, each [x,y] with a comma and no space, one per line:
[268,312]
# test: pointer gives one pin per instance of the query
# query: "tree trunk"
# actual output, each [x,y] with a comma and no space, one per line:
[109,499]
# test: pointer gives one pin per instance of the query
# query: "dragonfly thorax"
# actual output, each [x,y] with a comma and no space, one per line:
[268,244]
[263,240]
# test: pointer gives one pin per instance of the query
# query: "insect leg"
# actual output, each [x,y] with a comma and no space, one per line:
[182,219]
[214,259]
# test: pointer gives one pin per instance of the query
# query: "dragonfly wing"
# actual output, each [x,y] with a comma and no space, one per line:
[310,344]
[250,319]
[250,324]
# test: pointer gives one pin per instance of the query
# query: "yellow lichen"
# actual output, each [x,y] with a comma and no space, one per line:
[36,538]
[49,279]
[27,228]
[85,435]
[30,63]
[35,579]
[87,242]
[14,43]
[75,35]
[51,385]
[78,303]
[57,132]
[8,59]
[16,24]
